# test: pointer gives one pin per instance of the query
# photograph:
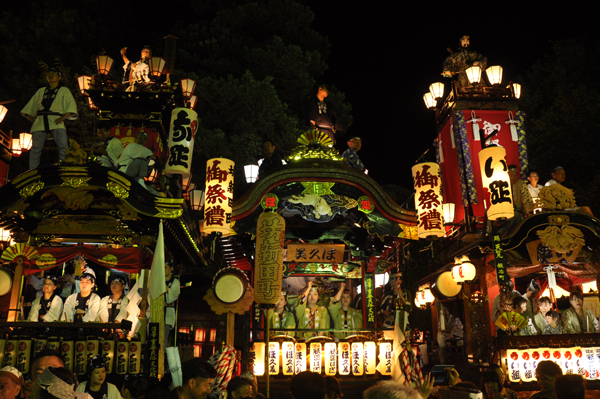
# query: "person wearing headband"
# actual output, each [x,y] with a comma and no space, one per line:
[136,72]
[11,382]
[48,109]
[532,291]
[344,317]
[113,308]
[97,387]
[280,319]
[83,306]
[49,306]
[309,314]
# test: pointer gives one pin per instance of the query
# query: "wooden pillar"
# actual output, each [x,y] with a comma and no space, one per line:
[13,312]
[230,328]
[466,292]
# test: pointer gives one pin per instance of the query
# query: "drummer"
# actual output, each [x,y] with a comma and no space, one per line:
[83,306]
[49,306]
[278,318]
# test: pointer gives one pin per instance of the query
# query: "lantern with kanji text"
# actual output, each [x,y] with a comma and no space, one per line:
[496,182]
[218,196]
[428,199]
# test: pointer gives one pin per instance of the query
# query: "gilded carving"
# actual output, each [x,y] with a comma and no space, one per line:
[75,181]
[118,190]
[73,197]
[31,189]
[169,213]
[409,232]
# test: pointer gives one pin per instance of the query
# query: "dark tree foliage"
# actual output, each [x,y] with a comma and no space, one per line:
[561,96]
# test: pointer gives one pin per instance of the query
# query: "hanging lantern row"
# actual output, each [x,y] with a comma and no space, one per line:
[344,358]
[424,297]
[21,144]
[584,361]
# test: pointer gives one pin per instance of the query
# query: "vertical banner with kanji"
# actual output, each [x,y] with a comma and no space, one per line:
[496,183]
[218,201]
[428,199]
[268,271]
[370,299]
[184,124]
[501,274]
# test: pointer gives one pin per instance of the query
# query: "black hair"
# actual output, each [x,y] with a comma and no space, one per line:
[308,385]
[575,294]
[570,386]
[554,314]
[47,353]
[64,374]
[518,301]
[197,368]
[138,386]
[236,383]
[545,299]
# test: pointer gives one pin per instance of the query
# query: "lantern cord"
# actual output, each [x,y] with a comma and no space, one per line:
[422,155]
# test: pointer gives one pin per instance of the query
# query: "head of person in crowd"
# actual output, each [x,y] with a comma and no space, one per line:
[141,138]
[545,373]
[545,305]
[313,296]
[533,178]
[513,173]
[558,174]
[571,386]
[308,385]
[11,382]
[492,381]
[198,376]
[519,304]
[552,318]
[169,268]
[252,378]
[268,148]
[533,289]
[49,286]
[322,91]
[44,359]
[576,300]
[55,383]
[54,77]
[355,143]
[346,299]
[117,285]
[391,390]
[280,305]
[334,389]
[87,282]
[146,53]
[239,388]
[96,370]
[135,387]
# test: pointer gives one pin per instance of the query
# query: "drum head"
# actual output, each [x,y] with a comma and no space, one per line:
[6,281]
[230,285]
[445,287]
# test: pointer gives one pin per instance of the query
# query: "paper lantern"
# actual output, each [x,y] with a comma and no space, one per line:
[597,355]
[526,367]
[300,357]
[430,102]
[418,296]
[513,365]
[25,141]
[428,199]
[273,358]
[103,64]
[268,262]
[156,66]
[370,357]
[251,172]
[184,124]
[3,111]
[344,358]
[91,105]
[437,90]
[496,182]
[579,361]
[448,211]
[196,199]
[494,74]
[517,90]
[474,74]
[193,101]
[16,147]
[287,357]
[385,358]
[358,358]
[259,358]
[331,358]
[218,198]
[315,357]
[427,296]
[463,270]
[590,363]
[83,82]
[187,87]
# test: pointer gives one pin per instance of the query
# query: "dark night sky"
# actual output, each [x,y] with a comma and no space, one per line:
[384,59]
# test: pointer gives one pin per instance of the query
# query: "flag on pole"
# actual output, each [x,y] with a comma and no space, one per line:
[157,284]
[397,374]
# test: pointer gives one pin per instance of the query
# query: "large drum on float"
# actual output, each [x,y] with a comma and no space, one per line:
[445,287]
[6,281]
[230,285]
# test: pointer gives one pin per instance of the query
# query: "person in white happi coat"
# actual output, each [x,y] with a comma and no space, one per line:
[173,290]
[135,159]
[84,305]
[111,148]
[48,109]
[136,72]
[49,306]
[113,308]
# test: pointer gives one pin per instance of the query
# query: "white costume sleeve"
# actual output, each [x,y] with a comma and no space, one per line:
[103,310]
[114,149]
[113,392]
[171,296]
[55,310]
[123,311]
[69,308]
[34,311]
[62,104]
[91,313]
